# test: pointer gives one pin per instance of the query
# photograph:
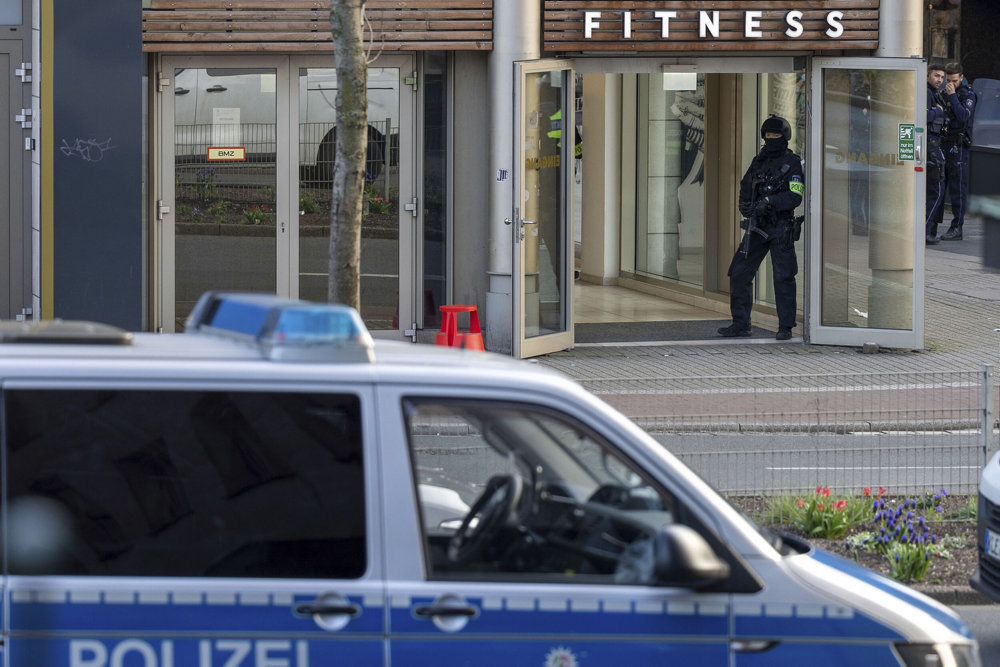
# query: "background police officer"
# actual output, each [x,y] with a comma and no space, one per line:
[769,193]
[935,157]
[955,142]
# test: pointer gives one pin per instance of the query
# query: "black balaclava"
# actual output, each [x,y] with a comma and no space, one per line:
[774,147]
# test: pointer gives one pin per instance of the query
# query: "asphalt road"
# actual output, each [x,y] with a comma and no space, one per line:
[984,621]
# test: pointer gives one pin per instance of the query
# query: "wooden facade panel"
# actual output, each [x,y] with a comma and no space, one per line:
[633,25]
[234,26]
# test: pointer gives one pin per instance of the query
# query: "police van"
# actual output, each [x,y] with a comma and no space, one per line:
[274,489]
[986,578]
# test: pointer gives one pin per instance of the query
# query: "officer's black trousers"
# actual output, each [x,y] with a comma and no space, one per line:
[784,267]
[956,184]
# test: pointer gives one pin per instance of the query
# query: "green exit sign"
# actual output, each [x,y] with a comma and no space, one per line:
[906,142]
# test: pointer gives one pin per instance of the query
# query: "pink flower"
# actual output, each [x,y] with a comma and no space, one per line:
[799,501]
[826,492]
[868,490]
[840,504]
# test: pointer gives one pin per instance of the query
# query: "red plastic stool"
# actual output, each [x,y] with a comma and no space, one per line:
[450,336]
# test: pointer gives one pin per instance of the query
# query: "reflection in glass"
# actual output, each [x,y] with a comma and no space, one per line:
[224,230]
[868,195]
[544,249]
[783,94]
[670,198]
[380,217]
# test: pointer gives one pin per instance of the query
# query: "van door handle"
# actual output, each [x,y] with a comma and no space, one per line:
[753,645]
[431,610]
[216,89]
[311,609]
[181,91]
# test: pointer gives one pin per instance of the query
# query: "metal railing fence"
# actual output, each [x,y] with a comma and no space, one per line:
[908,432]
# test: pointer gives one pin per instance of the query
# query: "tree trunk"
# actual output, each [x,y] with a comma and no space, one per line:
[349,157]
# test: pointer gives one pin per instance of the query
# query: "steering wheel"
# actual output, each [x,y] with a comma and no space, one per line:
[492,510]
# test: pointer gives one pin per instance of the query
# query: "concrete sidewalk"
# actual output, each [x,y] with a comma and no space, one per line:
[962,310]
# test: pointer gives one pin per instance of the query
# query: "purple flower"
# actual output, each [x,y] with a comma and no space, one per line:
[938,509]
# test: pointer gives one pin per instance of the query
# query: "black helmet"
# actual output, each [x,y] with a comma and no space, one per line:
[776,124]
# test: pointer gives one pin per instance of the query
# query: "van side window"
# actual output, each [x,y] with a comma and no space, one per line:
[515,492]
[184,484]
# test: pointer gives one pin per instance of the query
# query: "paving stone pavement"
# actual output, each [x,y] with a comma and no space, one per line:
[962,312]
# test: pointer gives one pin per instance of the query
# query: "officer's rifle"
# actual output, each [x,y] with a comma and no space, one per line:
[749,223]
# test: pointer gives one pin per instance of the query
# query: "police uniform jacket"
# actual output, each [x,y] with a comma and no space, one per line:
[962,104]
[935,114]
[782,187]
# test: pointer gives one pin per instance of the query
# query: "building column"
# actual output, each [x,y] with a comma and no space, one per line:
[516,36]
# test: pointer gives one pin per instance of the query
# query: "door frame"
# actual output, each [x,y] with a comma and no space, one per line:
[855,336]
[286,182]
[560,340]
[16,301]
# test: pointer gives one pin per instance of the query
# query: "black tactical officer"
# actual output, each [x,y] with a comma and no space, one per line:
[769,193]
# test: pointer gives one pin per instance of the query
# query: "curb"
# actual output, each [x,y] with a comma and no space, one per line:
[954,595]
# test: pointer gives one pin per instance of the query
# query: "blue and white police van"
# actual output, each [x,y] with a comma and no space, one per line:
[273,489]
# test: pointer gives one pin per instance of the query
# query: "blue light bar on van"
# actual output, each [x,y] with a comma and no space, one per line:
[285,328]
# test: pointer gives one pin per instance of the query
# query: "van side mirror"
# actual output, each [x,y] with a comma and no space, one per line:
[684,559]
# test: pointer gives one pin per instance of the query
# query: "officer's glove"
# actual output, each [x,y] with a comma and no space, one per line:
[762,208]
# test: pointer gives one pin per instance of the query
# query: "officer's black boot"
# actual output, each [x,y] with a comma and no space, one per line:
[784,333]
[953,234]
[735,330]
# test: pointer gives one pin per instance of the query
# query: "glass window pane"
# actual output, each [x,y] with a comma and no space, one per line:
[435,166]
[225,224]
[868,195]
[671,179]
[186,484]
[380,214]
[547,141]
[515,493]
[10,12]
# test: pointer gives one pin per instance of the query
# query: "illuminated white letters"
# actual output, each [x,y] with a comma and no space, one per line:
[665,22]
[708,25]
[836,27]
[793,19]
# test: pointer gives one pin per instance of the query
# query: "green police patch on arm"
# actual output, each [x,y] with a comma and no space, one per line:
[798,187]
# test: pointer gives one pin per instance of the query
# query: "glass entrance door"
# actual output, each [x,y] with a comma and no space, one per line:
[867,202]
[248,149]
[223,224]
[543,161]
[388,222]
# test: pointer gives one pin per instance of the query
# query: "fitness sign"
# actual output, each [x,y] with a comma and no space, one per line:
[736,25]
[709,22]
